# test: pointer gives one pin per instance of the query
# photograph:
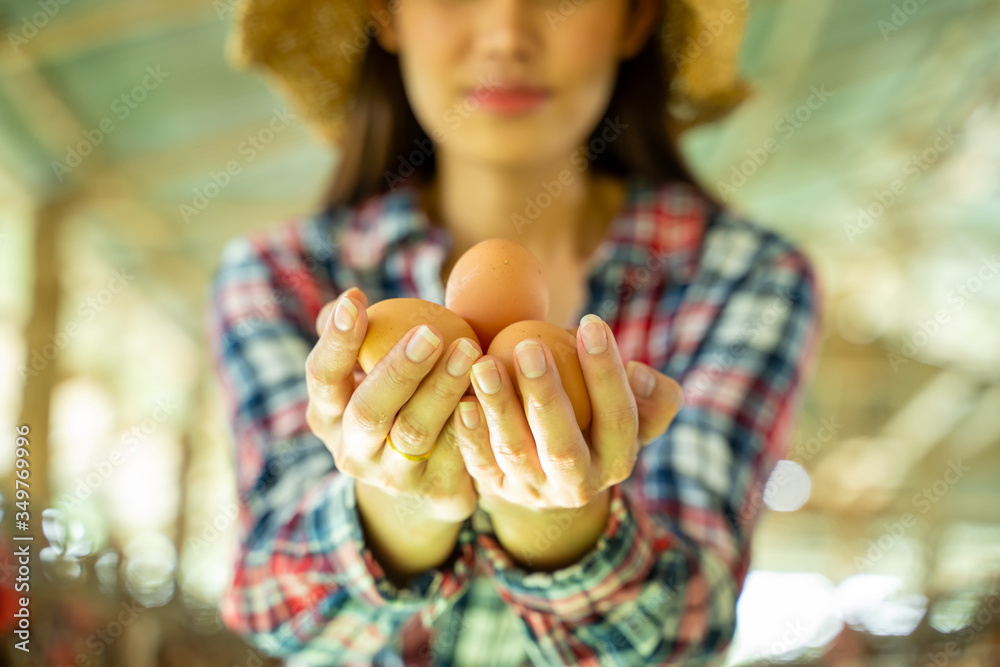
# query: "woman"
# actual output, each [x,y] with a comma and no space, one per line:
[399,518]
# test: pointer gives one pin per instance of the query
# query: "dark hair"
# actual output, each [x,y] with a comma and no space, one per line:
[381,130]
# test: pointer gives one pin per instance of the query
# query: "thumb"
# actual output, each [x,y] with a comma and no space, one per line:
[658,398]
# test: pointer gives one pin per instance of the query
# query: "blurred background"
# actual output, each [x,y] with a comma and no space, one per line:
[873,141]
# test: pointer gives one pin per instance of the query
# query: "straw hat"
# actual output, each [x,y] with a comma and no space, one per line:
[311,50]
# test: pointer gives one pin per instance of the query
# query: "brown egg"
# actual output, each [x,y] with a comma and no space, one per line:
[390,319]
[494,284]
[562,344]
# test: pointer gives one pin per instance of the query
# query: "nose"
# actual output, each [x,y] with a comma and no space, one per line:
[510,28]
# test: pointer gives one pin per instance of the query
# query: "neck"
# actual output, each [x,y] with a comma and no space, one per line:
[476,203]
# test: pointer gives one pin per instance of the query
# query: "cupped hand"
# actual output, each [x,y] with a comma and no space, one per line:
[408,397]
[536,456]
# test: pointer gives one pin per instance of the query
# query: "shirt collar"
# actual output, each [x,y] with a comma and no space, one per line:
[658,224]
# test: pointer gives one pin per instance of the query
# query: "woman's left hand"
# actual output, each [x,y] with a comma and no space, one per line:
[536,456]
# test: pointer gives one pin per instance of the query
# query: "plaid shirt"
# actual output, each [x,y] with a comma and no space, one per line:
[728,309]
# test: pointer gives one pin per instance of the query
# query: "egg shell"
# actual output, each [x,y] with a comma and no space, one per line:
[495,284]
[389,320]
[562,344]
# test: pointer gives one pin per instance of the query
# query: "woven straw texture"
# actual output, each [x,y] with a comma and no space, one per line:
[311,51]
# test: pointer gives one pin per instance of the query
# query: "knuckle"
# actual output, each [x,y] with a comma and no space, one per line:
[448,437]
[620,469]
[410,433]
[545,402]
[314,372]
[561,457]
[622,422]
[347,465]
[516,454]
[313,420]
[365,416]
[441,392]
[482,470]
[397,377]
[584,496]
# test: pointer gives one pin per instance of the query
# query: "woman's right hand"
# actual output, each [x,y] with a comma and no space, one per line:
[411,402]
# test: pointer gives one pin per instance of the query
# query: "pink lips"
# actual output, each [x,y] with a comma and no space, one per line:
[512,100]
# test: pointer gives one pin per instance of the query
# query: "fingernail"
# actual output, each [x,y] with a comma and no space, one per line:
[461,358]
[422,344]
[469,413]
[345,314]
[530,358]
[594,337]
[642,381]
[487,376]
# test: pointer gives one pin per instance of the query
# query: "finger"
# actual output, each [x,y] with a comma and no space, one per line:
[659,398]
[324,314]
[359,374]
[330,364]
[444,481]
[562,451]
[615,424]
[473,440]
[421,419]
[510,436]
[373,407]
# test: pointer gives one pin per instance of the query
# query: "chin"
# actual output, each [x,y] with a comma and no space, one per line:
[526,150]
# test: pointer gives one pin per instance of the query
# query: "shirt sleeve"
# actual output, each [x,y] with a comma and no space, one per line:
[304,582]
[660,586]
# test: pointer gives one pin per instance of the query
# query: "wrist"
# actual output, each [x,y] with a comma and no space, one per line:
[403,543]
[402,512]
[548,539]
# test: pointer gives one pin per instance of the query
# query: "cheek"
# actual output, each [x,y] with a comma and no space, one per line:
[587,63]
[427,63]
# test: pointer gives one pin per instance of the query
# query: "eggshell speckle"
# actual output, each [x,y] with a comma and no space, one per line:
[497,283]
[390,319]
[562,344]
